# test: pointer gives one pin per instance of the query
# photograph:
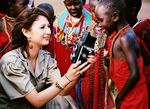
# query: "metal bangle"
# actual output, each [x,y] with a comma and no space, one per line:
[59,86]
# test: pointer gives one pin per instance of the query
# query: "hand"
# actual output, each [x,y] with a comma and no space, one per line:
[91,59]
[106,61]
[106,58]
[75,69]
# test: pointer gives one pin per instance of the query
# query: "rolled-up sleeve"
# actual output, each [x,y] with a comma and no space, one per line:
[53,71]
[14,77]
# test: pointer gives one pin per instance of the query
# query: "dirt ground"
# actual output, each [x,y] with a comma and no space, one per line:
[59,7]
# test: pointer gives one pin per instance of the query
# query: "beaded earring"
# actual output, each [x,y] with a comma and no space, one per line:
[29,42]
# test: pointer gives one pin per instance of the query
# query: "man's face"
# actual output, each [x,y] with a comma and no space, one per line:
[104,17]
[16,7]
[74,7]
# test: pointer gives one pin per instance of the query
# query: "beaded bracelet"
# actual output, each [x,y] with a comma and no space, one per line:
[59,86]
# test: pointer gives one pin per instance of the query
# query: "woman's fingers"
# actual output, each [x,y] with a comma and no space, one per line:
[85,68]
[75,65]
[91,59]
[81,66]
[77,68]
[81,73]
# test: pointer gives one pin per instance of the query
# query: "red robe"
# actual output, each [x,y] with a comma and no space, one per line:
[5,45]
[137,98]
[5,42]
[63,57]
[145,49]
[144,42]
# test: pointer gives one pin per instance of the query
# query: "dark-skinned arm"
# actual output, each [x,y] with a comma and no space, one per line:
[128,45]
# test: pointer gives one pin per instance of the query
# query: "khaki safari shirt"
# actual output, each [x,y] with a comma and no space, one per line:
[17,78]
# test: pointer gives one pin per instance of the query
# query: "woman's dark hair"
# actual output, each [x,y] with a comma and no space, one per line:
[24,20]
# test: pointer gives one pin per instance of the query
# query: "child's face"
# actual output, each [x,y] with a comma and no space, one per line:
[74,7]
[104,17]
[92,5]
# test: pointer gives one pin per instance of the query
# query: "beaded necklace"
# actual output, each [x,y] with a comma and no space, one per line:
[98,73]
[114,37]
[7,24]
[71,35]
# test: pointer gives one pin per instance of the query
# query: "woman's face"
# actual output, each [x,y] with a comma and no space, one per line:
[40,32]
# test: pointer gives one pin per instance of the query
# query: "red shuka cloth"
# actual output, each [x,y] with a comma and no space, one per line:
[145,46]
[137,98]
[4,40]
[5,43]
[63,57]
[145,49]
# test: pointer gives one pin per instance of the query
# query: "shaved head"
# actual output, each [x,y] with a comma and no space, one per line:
[82,1]
[114,5]
[47,7]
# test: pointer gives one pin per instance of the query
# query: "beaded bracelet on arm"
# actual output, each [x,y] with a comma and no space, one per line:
[59,86]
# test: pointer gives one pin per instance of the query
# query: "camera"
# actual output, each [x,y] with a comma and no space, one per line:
[83,48]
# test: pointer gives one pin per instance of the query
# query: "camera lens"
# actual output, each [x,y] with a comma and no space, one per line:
[83,55]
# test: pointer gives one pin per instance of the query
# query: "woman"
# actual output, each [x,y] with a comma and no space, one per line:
[27,70]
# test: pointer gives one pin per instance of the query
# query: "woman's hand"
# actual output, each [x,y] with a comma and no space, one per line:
[77,68]
[91,59]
